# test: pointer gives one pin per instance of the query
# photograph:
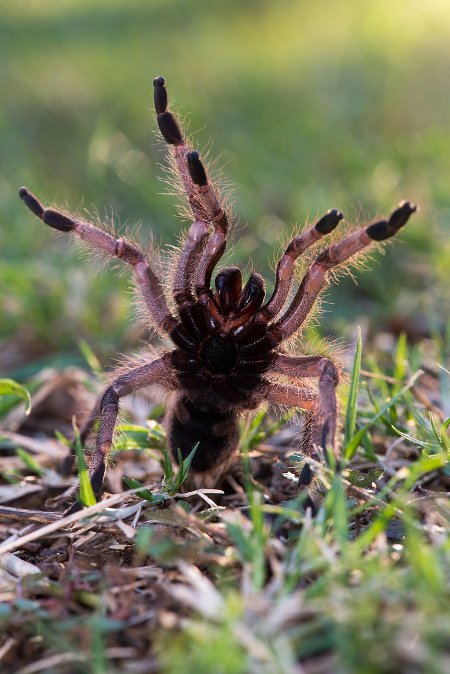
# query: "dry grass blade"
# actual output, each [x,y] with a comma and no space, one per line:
[47,664]
[23,515]
[18,567]
[61,523]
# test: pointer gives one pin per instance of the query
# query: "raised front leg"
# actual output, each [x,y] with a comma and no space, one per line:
[203,200]
[316,278]
[286,266]
[147,281]
[203,248]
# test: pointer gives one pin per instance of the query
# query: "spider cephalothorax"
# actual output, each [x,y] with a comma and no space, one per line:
[228,354]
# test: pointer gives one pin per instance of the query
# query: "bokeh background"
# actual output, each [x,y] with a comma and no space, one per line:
[310,105]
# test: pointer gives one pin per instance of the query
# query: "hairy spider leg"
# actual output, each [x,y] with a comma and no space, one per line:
[316,278]
[108,408]
[199,230]
[320,422]
[202,197]
[215,247]
[199,191]
[204,201]
[147,281]
[286,266]
[295,396]
[196,254]
[192,315]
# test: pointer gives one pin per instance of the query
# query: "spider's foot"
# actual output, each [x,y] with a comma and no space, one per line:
[304,482]
[31,202]
[384,229]
[167,122]
[74,508]
[160,95]
[52,218]
[196,168]
[329,221]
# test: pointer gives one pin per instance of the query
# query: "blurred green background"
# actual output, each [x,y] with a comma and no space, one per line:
[336,103]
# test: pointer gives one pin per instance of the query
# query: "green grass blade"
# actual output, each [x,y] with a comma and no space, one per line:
[336,505]
[90,357]
[352,446]
[167,467]
[375,528]
[29,461]
[350,417]
[444,434]
[414,441]
[142,493]
[11,387]
[184,464]
[87,497]
[400,362]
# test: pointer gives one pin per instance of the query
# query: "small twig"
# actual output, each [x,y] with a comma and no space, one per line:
[9,643]
[61,523]
[46,664]
[50,447]
[20,514]
[378,375]
[18,567]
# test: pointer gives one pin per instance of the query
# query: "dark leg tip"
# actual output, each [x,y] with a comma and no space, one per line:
[74,508]
[168,125]
[308,504]
[329,221]
[31,202]
[97,479]
[408,205]
[379,231]
[306,476]
[160,95]
[384,229]
[324,435]
[401,215]
[196,168]
[58,221]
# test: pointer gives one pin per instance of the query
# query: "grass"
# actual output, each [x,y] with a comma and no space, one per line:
[245,583]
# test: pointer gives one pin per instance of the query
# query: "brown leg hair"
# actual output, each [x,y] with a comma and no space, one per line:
[107,409]
[147,281]
[325,410]
[321,414]
[334,255]
[203,200]
[286,265]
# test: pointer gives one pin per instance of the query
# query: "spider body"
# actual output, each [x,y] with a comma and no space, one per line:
[220,366]
[228,353]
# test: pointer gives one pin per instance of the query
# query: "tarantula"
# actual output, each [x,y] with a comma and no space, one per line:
[228,344]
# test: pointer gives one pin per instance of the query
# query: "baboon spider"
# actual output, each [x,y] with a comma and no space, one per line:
[228,352]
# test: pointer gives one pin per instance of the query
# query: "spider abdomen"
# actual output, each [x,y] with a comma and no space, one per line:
[213,427]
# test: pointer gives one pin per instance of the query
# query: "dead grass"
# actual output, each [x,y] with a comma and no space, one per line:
[236,579]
